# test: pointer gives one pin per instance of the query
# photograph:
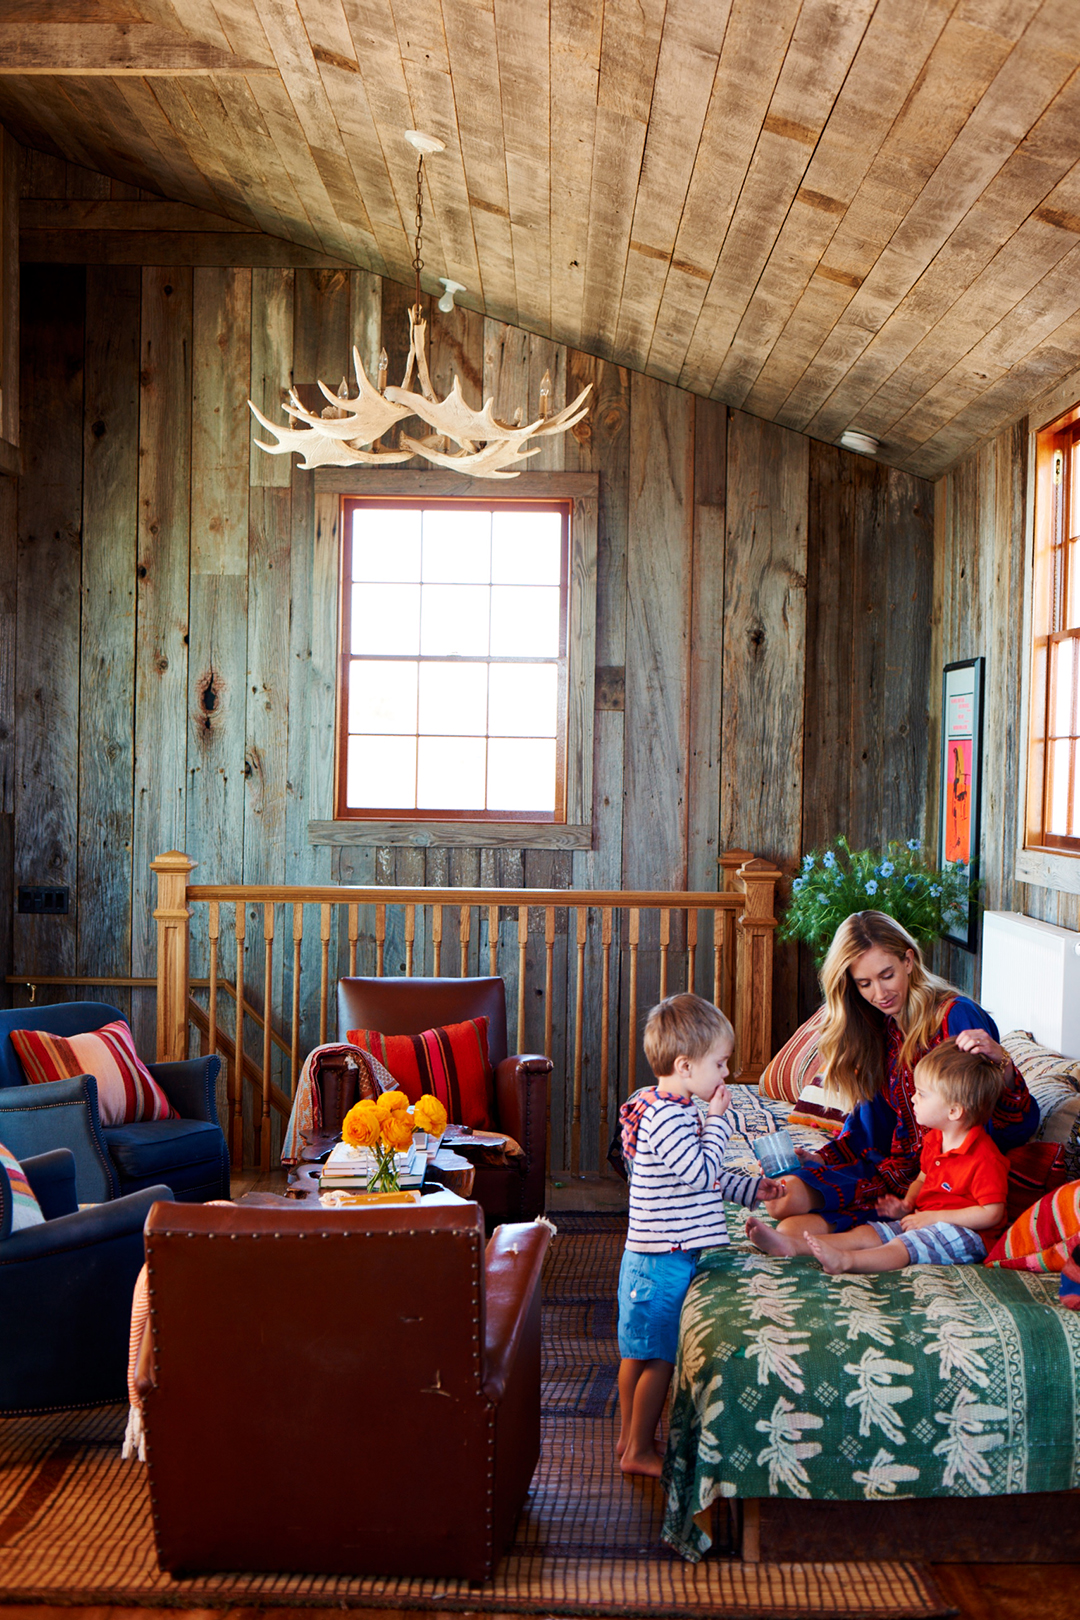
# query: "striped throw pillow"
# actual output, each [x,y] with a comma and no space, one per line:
[795,1065]
[127,1092]
[450,1063]
[25,1209]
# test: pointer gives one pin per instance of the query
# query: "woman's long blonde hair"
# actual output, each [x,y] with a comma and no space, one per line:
[852,1034]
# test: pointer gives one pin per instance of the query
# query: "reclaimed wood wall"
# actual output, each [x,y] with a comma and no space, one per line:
[763,633]
[979,604]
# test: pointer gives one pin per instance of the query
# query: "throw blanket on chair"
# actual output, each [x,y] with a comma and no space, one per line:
[306,1116]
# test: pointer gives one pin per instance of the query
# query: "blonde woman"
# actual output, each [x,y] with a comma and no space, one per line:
[885,1011]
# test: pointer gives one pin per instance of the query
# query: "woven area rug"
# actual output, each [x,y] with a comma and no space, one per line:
[75,1520]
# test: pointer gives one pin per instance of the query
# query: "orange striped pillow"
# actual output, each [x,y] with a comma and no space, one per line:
[795,1065]
[127,1091]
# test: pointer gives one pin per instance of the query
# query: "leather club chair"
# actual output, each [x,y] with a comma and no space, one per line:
[188,1154]
[350,1391]
[65,1292]
[522,1083]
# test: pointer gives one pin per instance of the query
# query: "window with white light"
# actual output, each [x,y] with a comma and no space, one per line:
[453,687]
[1053,797]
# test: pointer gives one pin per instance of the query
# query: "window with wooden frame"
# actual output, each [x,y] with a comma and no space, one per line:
[1053,785]
[465,667]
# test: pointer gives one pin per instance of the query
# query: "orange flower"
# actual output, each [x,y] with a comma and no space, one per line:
[397,1130]
[429,1115]
[360,1127]
[388,1102]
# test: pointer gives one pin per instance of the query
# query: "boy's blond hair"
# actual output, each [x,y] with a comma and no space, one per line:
[968,1080]
[683,1026]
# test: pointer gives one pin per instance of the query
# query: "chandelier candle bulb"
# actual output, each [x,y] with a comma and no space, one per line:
[545,395]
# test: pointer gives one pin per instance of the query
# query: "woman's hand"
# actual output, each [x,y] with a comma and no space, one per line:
[891,1208]
[979,1040]
[806,1156]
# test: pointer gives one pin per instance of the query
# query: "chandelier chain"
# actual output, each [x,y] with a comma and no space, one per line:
[418,263]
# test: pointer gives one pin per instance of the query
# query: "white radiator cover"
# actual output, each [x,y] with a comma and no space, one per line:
[1031,978]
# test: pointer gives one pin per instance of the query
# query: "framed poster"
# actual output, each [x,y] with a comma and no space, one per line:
[961,787]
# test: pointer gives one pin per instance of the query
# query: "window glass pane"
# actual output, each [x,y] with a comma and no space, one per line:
[524,700]
[454,620]
[1072,611]
[526,547]
[385,619]
[1074,818]
[521,775]
[453,699]
[457,547]
[1063,674]
[450,773]
[1072,511]
[381,773]
[1060,757]
[386,543]
[524,621]
[382,697]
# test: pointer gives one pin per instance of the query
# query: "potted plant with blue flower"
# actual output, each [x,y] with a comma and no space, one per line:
[837,881]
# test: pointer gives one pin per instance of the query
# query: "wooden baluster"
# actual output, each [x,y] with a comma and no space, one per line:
[549,977]
[523,941]
[294,1044]
[324,973]
[605,1033]
[262,1150]
[665,942]
[410,936]
[493,941]
[691,947]
[237,1148]
[579,1038]
[753,1011]
[718,925]
[634,937]
[380,939]
[213,930]
[354,935]
[436,939]
[464,936]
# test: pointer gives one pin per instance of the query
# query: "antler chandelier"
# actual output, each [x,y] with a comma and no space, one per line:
[347,431]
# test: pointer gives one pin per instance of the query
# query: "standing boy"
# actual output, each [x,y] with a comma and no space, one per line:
[677,1189]
[954,1211]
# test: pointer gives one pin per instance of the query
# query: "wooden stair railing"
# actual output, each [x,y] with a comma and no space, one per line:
[741,980]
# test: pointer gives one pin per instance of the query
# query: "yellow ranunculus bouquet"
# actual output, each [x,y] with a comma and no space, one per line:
[386,1127]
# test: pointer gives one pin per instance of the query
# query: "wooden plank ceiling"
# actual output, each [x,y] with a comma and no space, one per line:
[830,213]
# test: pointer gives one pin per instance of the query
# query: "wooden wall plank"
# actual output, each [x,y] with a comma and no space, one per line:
[706,646]
[47,662]
[107,663]
[161,604]
[764,657]
[272,293]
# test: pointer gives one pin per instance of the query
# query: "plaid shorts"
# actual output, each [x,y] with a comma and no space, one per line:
[939,1245]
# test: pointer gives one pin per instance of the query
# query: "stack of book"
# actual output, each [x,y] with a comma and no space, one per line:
[349,1169]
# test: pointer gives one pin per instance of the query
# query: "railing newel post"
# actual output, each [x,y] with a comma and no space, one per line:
[753,1028]
[173,918]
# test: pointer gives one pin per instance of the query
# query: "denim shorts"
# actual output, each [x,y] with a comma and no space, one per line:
[652,1288]
[942,1244]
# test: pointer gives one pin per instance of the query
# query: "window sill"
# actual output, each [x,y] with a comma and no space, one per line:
[1048,869]
[452,834]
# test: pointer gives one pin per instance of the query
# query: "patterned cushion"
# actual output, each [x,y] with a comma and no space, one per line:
[1037,1062]
[1044,1236]
[450,1063]
[127,1091]
[795,1063]
[14,1188]
[820,1109]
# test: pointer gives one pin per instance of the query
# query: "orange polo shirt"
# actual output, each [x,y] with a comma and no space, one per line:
[977,1172]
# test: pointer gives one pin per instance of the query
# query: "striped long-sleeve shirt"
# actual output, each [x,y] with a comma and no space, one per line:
[678,1185]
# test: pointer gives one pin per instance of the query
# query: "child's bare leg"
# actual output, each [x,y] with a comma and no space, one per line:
[842,1252]
[646,1386]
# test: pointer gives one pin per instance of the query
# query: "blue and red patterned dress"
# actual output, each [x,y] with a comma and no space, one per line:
[877,1152]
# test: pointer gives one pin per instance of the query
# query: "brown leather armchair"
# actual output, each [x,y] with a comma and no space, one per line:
[347,1392]
[408,1006]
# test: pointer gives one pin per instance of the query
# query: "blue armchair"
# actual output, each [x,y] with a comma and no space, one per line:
[188,1155]
[65,1292]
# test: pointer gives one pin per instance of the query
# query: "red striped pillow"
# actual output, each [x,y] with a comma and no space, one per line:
[127,1091]
[450,1063]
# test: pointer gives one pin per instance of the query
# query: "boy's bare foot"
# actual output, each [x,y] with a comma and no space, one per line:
[768,1239]
[830,1259]
[642,1462]
[620,1446]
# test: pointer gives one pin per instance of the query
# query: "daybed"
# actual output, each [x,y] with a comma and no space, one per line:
[930,1382]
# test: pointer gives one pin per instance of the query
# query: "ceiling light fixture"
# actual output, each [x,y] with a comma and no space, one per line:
[864,443]
[486,446]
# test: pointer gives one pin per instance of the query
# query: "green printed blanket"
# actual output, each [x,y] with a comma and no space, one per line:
[931,1381]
